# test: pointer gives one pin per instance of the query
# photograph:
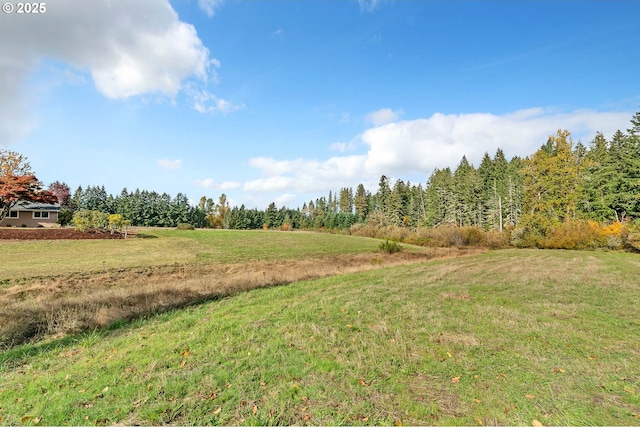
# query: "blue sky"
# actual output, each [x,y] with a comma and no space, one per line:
[285,100]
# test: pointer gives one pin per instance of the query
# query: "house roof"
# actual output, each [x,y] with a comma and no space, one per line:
[23,206]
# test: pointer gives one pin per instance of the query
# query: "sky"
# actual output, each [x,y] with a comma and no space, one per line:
[283,101]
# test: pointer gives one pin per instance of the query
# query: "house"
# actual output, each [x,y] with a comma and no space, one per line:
[25,214]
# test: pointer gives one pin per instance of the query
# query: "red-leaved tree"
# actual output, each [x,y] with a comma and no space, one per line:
[16,188]
[61,191]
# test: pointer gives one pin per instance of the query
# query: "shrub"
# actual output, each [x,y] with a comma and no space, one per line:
[574,234]
[632,237]
[86,219]
[185,226]
[525,237]
[496,240]
[390,247]
[65,217]
[473,236]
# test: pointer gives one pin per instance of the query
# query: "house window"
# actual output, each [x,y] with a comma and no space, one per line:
[13,214]
[43,215]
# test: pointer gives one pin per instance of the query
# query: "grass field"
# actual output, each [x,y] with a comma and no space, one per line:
[58,287]
[162,247]
[515,337]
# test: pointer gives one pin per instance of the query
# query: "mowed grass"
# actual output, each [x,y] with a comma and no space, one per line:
[515,337]
[26,259]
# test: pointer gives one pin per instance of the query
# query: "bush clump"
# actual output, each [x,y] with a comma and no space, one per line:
[86,219]
[184,226]
[390,247]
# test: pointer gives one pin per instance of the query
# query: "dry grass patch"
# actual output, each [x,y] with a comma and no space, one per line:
[83,301]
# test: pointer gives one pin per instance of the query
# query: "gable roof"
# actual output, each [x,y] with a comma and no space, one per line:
[26,206]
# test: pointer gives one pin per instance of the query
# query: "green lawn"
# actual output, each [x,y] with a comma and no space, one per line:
[514,337]
[25,259]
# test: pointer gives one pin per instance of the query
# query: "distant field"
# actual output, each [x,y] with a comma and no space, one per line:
[23,259]
[515,337]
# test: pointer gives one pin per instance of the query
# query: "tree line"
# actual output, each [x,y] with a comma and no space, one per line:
[561,181]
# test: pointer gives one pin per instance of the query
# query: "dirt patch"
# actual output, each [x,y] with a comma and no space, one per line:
[8,233]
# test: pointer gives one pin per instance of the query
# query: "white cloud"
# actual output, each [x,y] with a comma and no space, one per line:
[370,5]
[206,102]
[382,116]
[419,146]
[441,140]
[170,164]
[285,199]
[209,6]
[343,147]
[229,185]
[212,185]
[129,47]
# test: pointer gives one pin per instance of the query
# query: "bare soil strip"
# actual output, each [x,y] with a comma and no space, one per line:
[56,234]
[58,305]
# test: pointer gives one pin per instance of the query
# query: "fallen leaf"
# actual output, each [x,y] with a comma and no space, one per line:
[592,357]
[304,398]
[399,423]
[362,383]
[476,400]
[455,380]
[530,396]
[36,420]
[479,421]
[25,418]
[536,423]
[185,353]
[254,410]
[217,411]
[558,370]
[307,417]
[106,389]
[183,362]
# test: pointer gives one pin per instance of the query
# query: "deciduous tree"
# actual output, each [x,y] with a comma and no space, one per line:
[18,183]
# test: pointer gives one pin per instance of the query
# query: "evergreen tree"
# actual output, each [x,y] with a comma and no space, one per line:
[361,202]
[441,199]
[382,196]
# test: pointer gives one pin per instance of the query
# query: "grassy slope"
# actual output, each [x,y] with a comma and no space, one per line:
[507,337]
[41,258]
